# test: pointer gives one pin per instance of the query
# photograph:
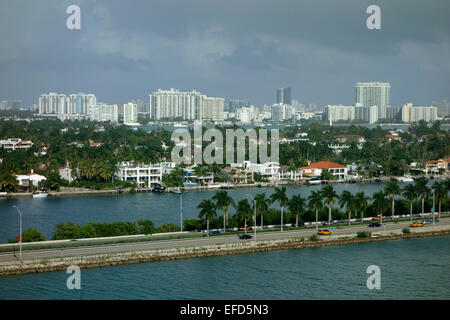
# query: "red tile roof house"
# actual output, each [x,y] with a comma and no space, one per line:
[315,169]
[95,144]
[433,166]
[391,137]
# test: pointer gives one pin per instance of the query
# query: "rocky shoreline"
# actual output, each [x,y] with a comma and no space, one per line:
[105,260]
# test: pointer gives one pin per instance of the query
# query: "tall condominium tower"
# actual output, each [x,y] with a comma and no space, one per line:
[284,96]
[130,113]
[175,104]
[235,104]
[411,113]
[374,94]
[61,104]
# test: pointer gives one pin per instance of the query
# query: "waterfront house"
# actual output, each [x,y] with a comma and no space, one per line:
[144,175]
[268,170]
[30,179]
[436,166]
[314,170]
[240,175]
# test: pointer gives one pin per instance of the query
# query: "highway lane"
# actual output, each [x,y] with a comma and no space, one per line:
[198,242]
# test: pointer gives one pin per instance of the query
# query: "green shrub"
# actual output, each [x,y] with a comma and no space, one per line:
[363,234]
[406,231]
[314,237]
[29,235]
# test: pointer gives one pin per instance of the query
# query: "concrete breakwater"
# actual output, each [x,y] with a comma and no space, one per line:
[123,258]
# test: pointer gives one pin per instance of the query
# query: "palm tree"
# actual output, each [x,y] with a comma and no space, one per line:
[392,189]
[363,202]
[297,206]
[280,196]
[410,193]
[262,205]
[223,201]
[244,211]
[379,202]
[422,190]
[207,212]
[347,200]
[440,192]
[330,195]
[315,203]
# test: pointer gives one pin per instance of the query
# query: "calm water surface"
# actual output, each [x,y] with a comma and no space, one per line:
[410,269]
[43,214]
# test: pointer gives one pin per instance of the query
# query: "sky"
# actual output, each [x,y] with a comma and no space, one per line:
[235,49]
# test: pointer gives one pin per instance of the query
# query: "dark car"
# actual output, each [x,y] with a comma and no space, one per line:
[244,236]
[374,225]
[214,232]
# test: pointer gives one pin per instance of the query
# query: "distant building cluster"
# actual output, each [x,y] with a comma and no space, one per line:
[372,104]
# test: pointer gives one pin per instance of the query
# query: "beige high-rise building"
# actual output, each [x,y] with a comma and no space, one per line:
[213,108]
[411,113]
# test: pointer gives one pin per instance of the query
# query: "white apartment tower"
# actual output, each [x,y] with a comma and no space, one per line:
[130,114]
[374,94]
[175,104]
[412,113]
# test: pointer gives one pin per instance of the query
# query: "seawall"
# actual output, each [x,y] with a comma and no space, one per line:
[104,260]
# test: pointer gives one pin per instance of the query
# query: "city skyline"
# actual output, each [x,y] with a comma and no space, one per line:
[124,52]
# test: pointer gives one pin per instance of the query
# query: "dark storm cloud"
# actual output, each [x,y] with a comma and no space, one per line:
[243,49]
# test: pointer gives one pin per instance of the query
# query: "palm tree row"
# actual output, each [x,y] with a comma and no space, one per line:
[319,199]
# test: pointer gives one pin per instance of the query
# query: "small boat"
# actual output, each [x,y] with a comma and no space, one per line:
[310,182]
[405,179]
[4,195]
[40,194]
[176,191]
[159,188]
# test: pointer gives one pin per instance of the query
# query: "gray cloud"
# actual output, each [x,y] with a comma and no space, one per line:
[243,49]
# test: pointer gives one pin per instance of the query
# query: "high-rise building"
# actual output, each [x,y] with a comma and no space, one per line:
[368,114]
[104,112]
[235,104]
[284,96]
[130,115]
[172,104]
[60,104]
[247,114]
[394,113]
[412,113]
[213,109]
[281,112]
[175,104]
[443,107]
[4,105]
[374,94]
[339,113]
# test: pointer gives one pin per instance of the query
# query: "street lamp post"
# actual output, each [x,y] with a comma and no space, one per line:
[20,231]
[181,212]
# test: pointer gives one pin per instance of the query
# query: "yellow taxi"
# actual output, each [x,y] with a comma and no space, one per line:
[378,218]
[324,232]
[416,224]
